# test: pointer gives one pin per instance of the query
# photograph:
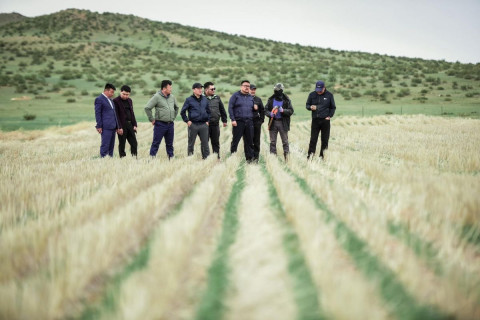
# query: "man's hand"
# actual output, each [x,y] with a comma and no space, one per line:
[99,130]
[207,123]
[234,123]
[313,108]
[135,129]
[120,131]
[327,118]
[153,122]
[255,107]
[189,123]
[224,124]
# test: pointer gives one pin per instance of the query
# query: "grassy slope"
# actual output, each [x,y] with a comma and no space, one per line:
[72,54]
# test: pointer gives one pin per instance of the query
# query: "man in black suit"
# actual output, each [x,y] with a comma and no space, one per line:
[126,121]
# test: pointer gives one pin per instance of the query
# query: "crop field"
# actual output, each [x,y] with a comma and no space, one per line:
[386,227]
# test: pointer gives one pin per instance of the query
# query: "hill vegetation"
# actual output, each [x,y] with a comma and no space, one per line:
[68,57]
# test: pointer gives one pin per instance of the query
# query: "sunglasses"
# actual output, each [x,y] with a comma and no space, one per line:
[213,89]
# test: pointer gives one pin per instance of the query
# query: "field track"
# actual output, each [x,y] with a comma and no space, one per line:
[387,227]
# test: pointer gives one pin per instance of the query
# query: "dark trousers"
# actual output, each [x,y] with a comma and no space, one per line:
[128,134]
[275,129]
[201,130]
[257,130]
[214,134]
[162,129]
[323,126]
[108,142]
[243,129]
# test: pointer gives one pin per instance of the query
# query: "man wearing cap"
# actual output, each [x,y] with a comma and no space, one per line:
[197,120]
[166,110]
[217,113]
[258,118]
[279,109]
[322,105]
[240,110]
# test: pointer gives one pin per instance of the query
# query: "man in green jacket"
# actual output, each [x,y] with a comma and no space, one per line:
[166,109]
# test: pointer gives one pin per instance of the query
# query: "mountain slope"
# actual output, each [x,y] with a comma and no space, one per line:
[79,50]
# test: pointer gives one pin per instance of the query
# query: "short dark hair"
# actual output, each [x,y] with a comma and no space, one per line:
[109,86]
[245,81]
[165,83]
[125,88]
[208,84]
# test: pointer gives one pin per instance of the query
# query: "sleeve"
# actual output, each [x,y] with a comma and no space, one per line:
[183,113]
[261,110]
[268,108]
[309,102]
[134,120]
[288,111]
[148,108]
[98,113]
[175,106]
[117,113]
[230,107]
[332,107]
[207,109]
[223,114]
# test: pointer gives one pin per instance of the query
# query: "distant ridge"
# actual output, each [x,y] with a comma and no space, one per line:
[6,18]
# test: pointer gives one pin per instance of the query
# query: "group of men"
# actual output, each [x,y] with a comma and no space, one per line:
[203,111]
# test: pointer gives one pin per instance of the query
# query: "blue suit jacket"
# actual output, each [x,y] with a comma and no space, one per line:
[105,114]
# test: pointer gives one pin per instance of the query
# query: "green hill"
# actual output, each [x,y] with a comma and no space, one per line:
[53,65]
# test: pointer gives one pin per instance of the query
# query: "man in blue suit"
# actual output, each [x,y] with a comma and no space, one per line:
[107,123]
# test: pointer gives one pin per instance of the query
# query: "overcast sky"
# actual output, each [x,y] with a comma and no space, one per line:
[429,29]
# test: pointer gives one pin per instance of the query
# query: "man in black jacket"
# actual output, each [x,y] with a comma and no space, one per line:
[217,112]
[197,119]
[322,105]
[279,109]
[127,121]
[258,118]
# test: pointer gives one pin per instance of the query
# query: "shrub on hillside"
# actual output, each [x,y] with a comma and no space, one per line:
[29,116]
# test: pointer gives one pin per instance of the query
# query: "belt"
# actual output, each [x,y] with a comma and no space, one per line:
[164,122]
[277,119]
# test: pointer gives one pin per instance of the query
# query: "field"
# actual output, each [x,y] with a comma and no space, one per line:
[387,227]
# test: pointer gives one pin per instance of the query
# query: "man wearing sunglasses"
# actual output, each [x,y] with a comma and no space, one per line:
[258,119]
[217,113]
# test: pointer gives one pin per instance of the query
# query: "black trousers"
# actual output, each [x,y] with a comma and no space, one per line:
[128,134]
[257,130]
[319,126]
[214,135]
[243,129]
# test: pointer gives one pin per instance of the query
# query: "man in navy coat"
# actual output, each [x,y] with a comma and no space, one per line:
[107,123]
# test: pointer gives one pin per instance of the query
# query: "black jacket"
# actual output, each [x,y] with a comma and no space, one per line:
[258,115]
[324,102]
[217,110]
[121,112]
[287,110]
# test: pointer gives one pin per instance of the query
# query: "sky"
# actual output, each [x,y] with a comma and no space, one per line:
[427,29]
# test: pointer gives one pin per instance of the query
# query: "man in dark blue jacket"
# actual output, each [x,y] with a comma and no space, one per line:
[197,120]
[107,123]
[240,110]
[322,105]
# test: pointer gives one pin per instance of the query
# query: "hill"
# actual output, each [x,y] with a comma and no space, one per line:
[68,56]
[6,18]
